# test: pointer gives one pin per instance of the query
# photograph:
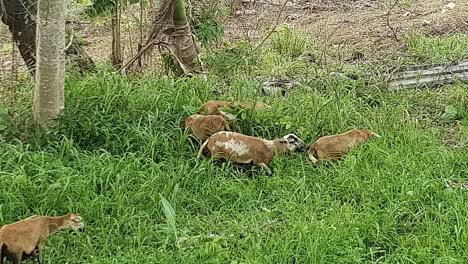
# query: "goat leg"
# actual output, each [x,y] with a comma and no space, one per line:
[16,258]
[265,167]
[38,256]
[37,253]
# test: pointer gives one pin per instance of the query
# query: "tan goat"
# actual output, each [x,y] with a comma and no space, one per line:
[212,107]
[247,149]
[335,147]
[202,127]
[25,238]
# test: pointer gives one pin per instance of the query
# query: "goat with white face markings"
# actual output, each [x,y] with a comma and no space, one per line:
[245,149]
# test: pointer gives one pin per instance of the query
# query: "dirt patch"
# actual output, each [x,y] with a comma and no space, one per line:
[372,27]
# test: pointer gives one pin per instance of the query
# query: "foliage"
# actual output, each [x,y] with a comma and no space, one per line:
[288,42]
[437,49]
[234,57]
[104,7]
[208,17]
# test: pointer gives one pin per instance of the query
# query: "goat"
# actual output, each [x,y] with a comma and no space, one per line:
[212,107]
[202,127]
[25,238]
[247,149]
[335,147]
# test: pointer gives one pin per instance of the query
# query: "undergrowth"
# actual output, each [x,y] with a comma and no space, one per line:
[437,49]
[120,159]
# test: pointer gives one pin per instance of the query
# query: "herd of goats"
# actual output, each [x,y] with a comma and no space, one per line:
[24,239]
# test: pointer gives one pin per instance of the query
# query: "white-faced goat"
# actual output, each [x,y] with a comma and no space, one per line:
[25,238]
[335,147]
[245,149]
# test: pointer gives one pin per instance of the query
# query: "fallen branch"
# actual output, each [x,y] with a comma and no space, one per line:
[388,21]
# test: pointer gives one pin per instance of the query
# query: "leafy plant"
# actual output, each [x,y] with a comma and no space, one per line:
[104,7]
[208,17]
[450,113]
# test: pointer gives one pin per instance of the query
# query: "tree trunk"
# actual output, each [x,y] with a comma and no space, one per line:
[116,47]
[17,16]
[77,56]
[187,48]
[49,96]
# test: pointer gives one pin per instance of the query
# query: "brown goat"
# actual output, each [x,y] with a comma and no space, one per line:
[212,107]
[247,149]
[202,127]
[335,147]
[25,238]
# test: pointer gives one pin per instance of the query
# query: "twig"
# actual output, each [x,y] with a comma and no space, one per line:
[388,21]
[140,53]
[70,43]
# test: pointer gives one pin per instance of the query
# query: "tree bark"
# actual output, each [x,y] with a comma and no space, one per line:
[49,97]
[186,46]
[17,15]
[116,47]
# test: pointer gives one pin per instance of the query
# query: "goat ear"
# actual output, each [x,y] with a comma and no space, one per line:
[292,138]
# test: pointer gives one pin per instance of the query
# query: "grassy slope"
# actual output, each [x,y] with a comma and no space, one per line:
[119,149]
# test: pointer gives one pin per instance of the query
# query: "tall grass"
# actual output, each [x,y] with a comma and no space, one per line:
[437,49]
[120,159]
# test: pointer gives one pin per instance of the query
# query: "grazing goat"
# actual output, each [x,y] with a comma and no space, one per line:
[246,149]
[25,238]
[212,107]
[335,147]
[202,127]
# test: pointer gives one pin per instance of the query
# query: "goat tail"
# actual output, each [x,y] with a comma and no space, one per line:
[203,146]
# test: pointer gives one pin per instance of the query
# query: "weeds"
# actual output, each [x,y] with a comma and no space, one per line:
[288,42]
[437,49]
[208,19]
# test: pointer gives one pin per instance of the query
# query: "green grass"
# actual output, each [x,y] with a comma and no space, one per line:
[442,49]
[120,159]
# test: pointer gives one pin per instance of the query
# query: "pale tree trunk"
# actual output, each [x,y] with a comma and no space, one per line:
[116,47]
[49,95]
